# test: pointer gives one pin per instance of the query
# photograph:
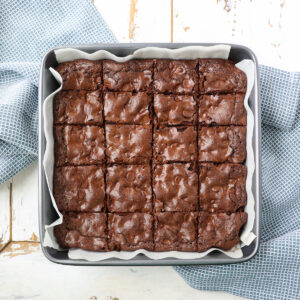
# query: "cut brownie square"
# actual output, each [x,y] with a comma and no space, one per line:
[78,107]
[133,75]
[221,144]
[84,230]
[219,230]
[221,76]
[129,144]
[175,109]
[125,107]
[173,144]
[175,187]
[222,187]
[130,231]
[129,188]
[175,76]
[79,189]
[80,74]
[78,145]
[222,110]
[175,231]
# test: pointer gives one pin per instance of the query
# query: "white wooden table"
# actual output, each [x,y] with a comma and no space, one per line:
[269,27]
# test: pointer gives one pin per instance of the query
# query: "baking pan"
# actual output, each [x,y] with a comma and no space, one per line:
[47,213]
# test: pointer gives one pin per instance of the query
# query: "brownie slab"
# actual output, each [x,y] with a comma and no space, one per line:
[125,107]
[175,187]
[175,231]
[226,109]
[129,144]
[130,232]
[129,188]
[175,76]
[175,109]
[84,230]
[219,230]
[221,76]
[79,188]
[222,144]
[78,145]
[80,74]
[173,144]
[78,107]
[222,187]
[134,75]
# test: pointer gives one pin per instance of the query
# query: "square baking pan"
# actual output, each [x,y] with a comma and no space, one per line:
[47,213]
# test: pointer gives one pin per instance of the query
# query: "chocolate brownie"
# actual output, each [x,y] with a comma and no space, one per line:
[80,74]
[175,76]
[175,109]
[78,107]
[129,188]
[85,230]
[173,144]
[219,230]
[78,145]
[128,143]
[222,144]
[221,76]
[222,110]
[130,231]
[125,107]
[79,188]
[175,187]
[134,75]
[175,231]
[222,187]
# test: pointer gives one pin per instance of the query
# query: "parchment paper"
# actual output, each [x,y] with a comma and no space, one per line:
[192,52]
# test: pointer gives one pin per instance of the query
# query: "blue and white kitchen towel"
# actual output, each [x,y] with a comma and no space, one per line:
[29,28]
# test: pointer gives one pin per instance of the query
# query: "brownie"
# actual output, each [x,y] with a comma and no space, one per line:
[80,74]
[222,187]
[134,75]
[175,109]
[219,230]
[226,109]
[84,230]
[126,107]
[129,188]
[128,143]
[173,144]
[79,188]
[221,76]
[221,144]
[175,76]
[175,187]
[78,107]
[175,231]
[78,145]
[130,231]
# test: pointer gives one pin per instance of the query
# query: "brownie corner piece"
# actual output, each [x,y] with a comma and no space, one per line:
[131,231]
[175,231]
[219,230]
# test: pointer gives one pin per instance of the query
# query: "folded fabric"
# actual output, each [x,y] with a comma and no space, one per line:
[274,273]
[28,29]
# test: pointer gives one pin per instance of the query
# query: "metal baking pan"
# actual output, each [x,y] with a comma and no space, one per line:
[47,213]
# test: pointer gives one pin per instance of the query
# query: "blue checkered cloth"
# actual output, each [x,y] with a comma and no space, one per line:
[274,273]
[28,29]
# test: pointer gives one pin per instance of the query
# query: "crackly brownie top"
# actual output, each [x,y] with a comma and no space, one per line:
[133,75]
[175,76]
[222,187]
[126,107]
[175,109]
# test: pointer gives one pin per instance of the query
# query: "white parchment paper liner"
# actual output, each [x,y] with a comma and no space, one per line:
[191,52]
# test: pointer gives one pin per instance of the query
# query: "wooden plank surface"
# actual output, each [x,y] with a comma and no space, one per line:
[4,214]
